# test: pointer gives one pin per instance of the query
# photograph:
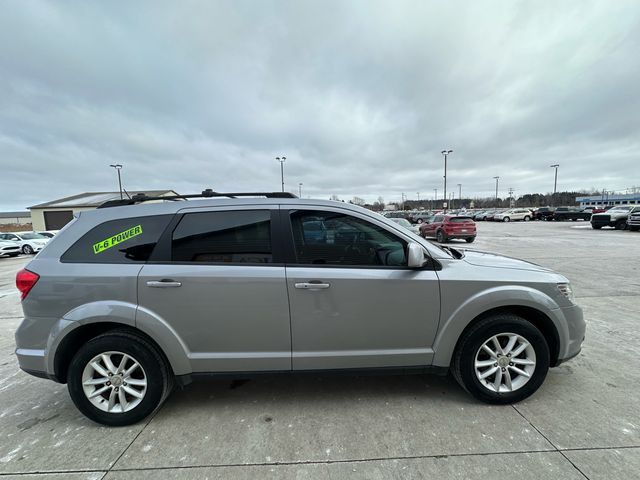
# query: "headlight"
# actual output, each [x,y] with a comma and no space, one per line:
[565,289]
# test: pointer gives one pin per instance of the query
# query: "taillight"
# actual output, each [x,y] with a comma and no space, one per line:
[25,280]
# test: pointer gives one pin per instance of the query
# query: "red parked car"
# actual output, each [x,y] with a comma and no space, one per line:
[447,227]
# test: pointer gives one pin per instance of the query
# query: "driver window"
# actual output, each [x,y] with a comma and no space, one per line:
[329,238]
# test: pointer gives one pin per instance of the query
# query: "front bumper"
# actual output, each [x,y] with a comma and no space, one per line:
[576,328]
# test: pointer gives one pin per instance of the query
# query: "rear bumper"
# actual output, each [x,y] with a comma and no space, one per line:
[455,235]
[33,362]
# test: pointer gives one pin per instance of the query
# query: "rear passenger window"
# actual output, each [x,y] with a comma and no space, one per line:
[240,236]
[126,240]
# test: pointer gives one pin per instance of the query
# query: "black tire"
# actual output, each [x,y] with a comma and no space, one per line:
[470,239]
[419,220]
[596,227]
[633,229]
[441,237]
[27,249]
[463,363]
[506,219]
[527,218]
[621,225]
[158,373]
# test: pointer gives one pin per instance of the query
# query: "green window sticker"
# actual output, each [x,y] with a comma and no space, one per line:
[116,239]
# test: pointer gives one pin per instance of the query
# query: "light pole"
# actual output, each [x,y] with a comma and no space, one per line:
[402,201]
[445,153]
[435,198]
[300,189]
[281,160]
[118,167]
[555,181]
[460,194]
[497,178]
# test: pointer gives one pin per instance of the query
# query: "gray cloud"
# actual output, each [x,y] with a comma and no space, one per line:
[360,96]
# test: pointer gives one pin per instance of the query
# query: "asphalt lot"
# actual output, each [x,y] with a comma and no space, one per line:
[584,422]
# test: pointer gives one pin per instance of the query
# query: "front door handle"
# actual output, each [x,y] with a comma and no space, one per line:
[312,285]
[164,283]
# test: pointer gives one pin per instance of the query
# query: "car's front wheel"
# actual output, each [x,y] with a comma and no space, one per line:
[470,239]
[527,218]
[27,249]
[506,219]
[501,359]
[621,225]
[118,378]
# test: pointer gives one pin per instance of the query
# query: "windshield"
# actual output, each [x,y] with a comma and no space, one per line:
[32,236]
[620,209]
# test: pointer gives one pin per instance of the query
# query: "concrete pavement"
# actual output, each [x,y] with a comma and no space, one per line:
[584,422]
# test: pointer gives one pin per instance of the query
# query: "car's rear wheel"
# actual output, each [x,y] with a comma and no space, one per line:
[470,239]
[501,359]
[441,237]
[506,219]
[621,224]
[27,249]
[118,378]
[596,227]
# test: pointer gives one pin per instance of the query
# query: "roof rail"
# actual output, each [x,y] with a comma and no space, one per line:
[208,193]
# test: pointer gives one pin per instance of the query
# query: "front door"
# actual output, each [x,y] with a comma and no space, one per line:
[354,303]
[221,292]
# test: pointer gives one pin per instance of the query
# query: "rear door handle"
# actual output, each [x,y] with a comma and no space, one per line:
[164,283]
[312,285]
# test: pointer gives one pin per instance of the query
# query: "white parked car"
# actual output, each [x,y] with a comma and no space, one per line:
[514,214]
[403,222]
[30,242]
[9,248]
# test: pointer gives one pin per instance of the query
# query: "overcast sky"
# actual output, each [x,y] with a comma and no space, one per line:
[360,96]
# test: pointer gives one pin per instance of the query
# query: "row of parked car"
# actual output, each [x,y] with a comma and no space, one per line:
[617,216]
[13,244]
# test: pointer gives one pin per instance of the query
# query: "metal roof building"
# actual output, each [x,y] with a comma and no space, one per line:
[609,199]
[15,218]
[56,214]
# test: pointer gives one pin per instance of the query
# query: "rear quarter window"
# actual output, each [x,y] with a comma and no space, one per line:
[126,240]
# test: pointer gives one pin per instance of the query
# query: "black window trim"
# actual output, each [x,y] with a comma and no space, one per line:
[162,253]
[286,234]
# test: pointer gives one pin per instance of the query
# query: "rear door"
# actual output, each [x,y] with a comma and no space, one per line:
[216,279]
[354,303]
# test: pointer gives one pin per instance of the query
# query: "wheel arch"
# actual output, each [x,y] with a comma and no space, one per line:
[541,315]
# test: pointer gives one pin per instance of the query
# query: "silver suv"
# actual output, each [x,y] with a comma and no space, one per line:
[129,300]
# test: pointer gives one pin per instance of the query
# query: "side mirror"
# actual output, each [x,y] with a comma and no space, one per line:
[416,257]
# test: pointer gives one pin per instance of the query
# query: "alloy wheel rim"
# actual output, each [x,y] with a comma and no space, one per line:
[114,382]
[505,363]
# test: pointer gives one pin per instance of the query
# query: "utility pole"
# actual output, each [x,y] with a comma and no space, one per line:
[300,190]
[445,153]
[403,201]
[281,160]
[510,197]
[118,167]
[460,194]
[435,199]
[497,178]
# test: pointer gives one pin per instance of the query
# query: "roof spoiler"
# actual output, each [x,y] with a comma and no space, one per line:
[208,193]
